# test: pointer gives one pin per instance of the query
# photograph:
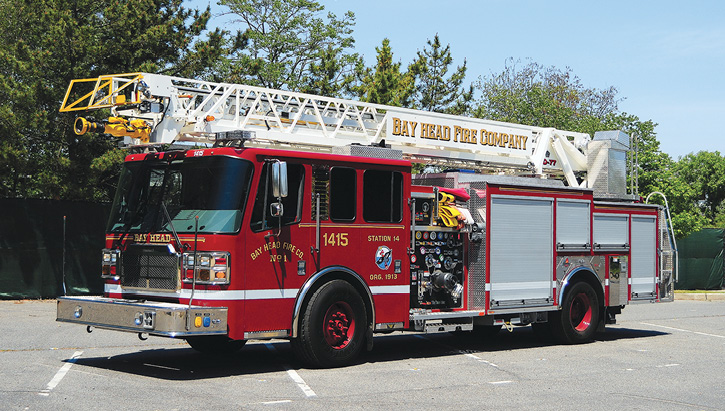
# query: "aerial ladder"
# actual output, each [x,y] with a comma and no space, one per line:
[152,110]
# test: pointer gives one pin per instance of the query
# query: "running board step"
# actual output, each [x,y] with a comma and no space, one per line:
[441,326]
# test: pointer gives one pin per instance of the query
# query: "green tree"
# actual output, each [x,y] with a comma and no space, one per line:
[289,46]
[546,97]
[385,84]
[46,43]
[705,173]
[435,89]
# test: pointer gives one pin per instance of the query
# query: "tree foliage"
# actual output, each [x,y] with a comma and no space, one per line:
[436,89]
[288,45]
[704,172]
[385,83]
[543,96]
[46,43]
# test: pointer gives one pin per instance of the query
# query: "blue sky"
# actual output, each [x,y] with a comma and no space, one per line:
[666,58]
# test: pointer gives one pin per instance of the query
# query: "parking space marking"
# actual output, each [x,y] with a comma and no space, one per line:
[459,351]
[293,375]
[686,331]
[60,374]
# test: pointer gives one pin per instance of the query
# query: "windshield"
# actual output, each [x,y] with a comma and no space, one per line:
[211,188]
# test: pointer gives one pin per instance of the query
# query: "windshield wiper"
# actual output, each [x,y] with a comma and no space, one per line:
[171,226]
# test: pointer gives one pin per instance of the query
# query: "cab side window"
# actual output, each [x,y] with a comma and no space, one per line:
[343,189]
[261,215]
[382,196]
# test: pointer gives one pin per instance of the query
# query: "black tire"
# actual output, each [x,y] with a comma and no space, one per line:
[332,326]
[578,318]
[215,344]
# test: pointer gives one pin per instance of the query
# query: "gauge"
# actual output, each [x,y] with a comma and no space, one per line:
[426,207]
[433,235]
[430,260]
[418,235]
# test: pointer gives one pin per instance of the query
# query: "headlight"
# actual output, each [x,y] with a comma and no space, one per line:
[110,262]
[210,268]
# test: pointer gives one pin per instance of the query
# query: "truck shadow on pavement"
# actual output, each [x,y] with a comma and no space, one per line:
[256,358]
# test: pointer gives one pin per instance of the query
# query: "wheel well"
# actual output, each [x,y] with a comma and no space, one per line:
[324,276]
[588,277]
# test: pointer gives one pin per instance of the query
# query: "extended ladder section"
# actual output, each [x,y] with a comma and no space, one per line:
[158,109]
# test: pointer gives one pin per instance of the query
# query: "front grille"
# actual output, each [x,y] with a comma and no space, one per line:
[150,266]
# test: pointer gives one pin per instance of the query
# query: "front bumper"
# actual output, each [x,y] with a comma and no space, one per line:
[153,318]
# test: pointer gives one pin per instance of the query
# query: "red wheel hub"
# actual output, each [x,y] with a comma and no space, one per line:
[338,325]
[580,312]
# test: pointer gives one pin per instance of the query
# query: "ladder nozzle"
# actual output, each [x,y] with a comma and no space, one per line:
[83,126]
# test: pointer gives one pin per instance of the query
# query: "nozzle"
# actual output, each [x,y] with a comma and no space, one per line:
[83,126]
[115,126]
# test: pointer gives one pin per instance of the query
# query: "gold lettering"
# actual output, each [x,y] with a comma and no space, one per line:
[413,125]
[404,129]
[396,126]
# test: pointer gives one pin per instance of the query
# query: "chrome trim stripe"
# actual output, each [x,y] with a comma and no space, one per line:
[390,289]
[271,294]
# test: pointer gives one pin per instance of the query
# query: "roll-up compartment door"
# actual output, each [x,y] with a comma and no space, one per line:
[522,247]
[573,222]
[643,262]
[611,232]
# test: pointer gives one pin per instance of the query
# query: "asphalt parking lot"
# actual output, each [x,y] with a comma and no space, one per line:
[659,356]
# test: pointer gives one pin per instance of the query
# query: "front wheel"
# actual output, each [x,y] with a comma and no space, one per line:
[332,327]
[579,315]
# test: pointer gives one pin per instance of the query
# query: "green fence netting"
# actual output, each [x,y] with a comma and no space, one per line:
[701,260]
[32,244]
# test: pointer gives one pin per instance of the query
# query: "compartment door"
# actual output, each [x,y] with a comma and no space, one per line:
[644,257]
[522,251]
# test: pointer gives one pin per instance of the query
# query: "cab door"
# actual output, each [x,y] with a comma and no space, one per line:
[277,247]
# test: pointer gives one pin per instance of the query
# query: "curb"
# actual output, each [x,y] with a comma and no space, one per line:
[709,296]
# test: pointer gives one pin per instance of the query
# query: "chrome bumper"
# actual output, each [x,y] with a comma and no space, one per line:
[153,318]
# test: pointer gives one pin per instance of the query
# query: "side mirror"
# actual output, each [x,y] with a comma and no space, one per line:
[279,179]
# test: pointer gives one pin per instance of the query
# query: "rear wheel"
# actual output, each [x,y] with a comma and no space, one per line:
[215,344]
[579,315]
[332,327]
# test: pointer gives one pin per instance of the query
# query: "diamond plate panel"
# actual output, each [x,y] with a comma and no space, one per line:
[476,259]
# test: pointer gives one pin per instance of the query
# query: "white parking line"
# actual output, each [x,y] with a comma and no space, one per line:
[467,354]
[60,374]
[294,376]
[687,331]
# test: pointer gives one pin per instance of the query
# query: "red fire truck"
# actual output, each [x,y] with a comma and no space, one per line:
[245,213]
